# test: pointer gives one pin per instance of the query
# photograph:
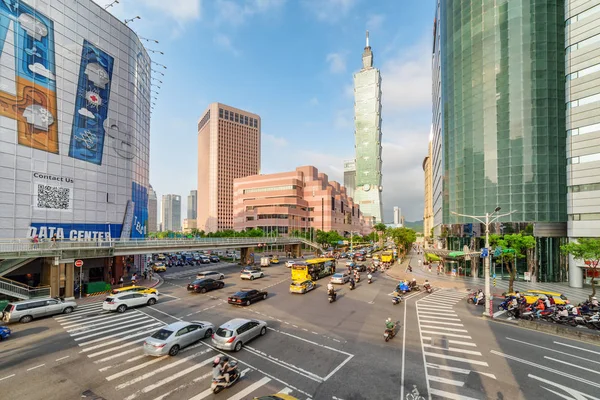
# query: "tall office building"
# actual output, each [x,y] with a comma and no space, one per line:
[437,166]
[428,207]
[192,204]
[152,210]
[228,148]
[350,177]
[583,124]
[397,215]
[171,212]
[503,132]
[367,137]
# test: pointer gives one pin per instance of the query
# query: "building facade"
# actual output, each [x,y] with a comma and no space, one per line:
[74,140]
[171,212]
[437,139]
[503,123]
[367,137]
[228,148]
[152,210]
[583,125]
[350,176]
[298,200]
[428,208]
[192,204]
[189,225]
[397,215]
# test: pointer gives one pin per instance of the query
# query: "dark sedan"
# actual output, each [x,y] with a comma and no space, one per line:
[204,260]
[360,267]
[360,257]
[204,285]
[214,259]
[246,297]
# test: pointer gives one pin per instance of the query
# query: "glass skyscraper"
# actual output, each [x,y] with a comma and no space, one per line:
[503,120]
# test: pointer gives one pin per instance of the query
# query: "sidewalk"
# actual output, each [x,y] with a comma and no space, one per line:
[155,282]
[397,271]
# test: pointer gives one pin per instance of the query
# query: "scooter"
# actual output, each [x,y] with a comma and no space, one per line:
[370,279]
[396,300]
[352,286]
[220,383]
[389,334]
[332,297]
[428,289]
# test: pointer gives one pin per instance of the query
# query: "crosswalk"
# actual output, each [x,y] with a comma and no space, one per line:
[113,343]
[450,355]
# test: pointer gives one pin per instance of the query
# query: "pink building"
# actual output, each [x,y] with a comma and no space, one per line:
[228,148]
[296,200]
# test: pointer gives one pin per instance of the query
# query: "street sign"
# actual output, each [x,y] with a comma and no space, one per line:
[498,251]
[79,263]
[527,276]
[494,282]
[484,252]
[494,276]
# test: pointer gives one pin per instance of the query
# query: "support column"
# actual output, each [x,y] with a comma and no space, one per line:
[295,249]
[70,280]
[575,274]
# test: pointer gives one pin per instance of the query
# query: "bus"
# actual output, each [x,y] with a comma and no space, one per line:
[387,257]
[313,269]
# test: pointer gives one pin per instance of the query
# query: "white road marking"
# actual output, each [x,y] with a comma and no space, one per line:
[499,313]
[446,381]
[453,358]
[86,321]
[37,366]
[435,304]
[113,342]
[449,395]
[242,394]
[576,347]
[135,349]
[447,334]
[454,349]
[572,365]
[167,314]
[336,369]
[309,341]
[168,379]
[168,295]
[161,369]
[543,367]
[99,326]
[575,393]
[285,365]
[6,377]
[198,379]
[403,355]
[453,341]
[285,390]
[132,359]
[556,351]
[136,329]
[445,329]
[135,368]
[458,370]
[120,326]
[441,323]
[62,358]
[440,318]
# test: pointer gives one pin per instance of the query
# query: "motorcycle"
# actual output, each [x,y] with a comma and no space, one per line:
[428,289]
[396,300]
[352,285]
[220,383]
[332,296]
[370,279]
[389,334]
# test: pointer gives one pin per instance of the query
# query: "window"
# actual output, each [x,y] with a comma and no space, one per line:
[226,114]
[585,217]
[583,43]
[584,101]
[584,188]
[584,72]
[589,158]
[245,120]
[220,113]
[584,14]
[270,189]
[584,129]
[237,117]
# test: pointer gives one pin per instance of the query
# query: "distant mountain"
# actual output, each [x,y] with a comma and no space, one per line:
[416,225]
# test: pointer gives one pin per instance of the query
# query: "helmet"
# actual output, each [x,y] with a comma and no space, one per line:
[594,298]
[388,320]
[225,359]
[217,360]
[414,279]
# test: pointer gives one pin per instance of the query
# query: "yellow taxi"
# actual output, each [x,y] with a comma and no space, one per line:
[278,396]
[274,260]
[136,289]
[531,296]
[159,267]
[376,257]
[302,286]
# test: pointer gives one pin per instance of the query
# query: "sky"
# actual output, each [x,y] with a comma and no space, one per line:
[291,62]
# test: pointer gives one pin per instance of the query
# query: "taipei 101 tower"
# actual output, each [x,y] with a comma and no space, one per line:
[367,137]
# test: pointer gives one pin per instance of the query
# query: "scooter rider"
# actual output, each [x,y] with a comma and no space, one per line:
[217,372]
[370,277]
[426,284]
[226,369]
[352,283]
[389,325]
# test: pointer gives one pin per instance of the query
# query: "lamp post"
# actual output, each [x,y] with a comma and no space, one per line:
[487,222]
[352,240]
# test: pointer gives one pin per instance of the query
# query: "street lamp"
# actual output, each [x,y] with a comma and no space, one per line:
[148,40]
[158,72]
[126,21]
[155,51]
[352,240]
[487,222]
[111,4]
[159,64]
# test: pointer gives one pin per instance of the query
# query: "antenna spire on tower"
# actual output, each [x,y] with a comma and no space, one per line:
[367,39]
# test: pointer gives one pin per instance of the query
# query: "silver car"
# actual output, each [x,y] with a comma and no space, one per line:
[210,274]
[172,338]
[26,310]
[340,278]
[234,334]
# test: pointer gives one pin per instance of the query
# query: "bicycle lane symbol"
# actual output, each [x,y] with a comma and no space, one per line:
[414,394]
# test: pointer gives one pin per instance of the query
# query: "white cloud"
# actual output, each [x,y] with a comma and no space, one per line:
[314,101]
[329,10]
[237,12]
[86,113]
[337,63]
[179,10]
[224,42]
[406,78]
[375,21]
[273,140]
[39,69]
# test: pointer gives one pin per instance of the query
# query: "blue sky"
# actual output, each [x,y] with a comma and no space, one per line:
[291,62]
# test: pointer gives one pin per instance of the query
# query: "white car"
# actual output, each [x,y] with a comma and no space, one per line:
[340,278]
[251,274]
[210,274]
[289,263]
[122,301]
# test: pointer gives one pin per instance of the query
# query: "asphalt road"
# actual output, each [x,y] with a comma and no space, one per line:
[312,349]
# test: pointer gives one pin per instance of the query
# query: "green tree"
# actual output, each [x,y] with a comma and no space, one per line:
[515,246]
[403,238]
[588,251]
[380,228]
[255,232]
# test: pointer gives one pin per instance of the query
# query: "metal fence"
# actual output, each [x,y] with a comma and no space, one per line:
[21,290]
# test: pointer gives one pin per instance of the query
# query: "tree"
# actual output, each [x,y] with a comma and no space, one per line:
[514,246]
[530,252]
[380,228]
[588,251]
[403,237]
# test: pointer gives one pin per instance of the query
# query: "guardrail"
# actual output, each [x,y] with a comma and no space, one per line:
[22,291]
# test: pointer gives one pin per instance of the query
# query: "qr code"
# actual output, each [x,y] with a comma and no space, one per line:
[53,197]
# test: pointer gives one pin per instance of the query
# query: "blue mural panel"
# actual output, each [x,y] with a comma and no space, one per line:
[45,230]
[91,104]
[139,195]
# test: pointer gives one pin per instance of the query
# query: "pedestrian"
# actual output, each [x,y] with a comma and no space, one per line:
[134,279]
[121,281]
[35,241]
[112,281]
[128,269]
[53,239]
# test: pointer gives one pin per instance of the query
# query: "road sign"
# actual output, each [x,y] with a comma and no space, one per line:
[494,282]
[494,276]
[79,263]
[484,252]
[498,251]
[527,276]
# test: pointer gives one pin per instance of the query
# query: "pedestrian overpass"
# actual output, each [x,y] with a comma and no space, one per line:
[17,253]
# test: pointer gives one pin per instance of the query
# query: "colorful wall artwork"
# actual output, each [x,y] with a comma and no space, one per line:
[29,98]
[91,104]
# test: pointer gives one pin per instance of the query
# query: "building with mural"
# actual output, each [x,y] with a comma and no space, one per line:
[74,136]
[74,123]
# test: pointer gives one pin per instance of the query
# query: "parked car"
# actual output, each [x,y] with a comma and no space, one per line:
[233,334]
[122,301]
[340,278]
[302,286]
[210,274]
[4,333]
[246,297]
[135,289]
[204,260]
[204,285]
[174,337]
[25,311]
[251,274]
[214,259]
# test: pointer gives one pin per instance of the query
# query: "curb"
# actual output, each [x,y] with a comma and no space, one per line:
[159,282]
